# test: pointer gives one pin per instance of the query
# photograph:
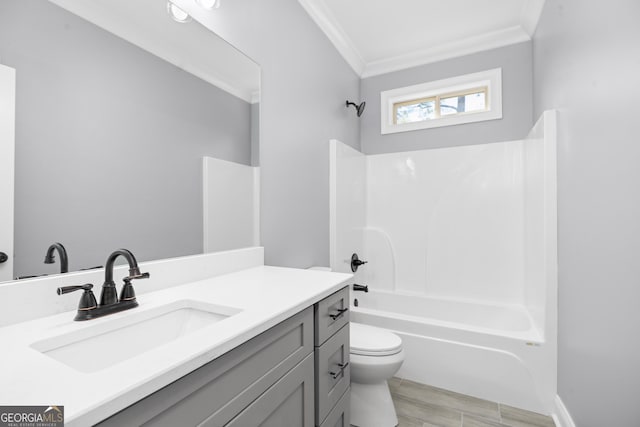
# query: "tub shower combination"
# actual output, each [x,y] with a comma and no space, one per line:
[461,251]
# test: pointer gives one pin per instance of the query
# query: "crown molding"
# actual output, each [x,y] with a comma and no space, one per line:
[530,16]
[324,19]
[478,43]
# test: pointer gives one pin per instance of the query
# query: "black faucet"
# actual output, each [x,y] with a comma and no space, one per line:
[62,252]
[109,294]
[109,303]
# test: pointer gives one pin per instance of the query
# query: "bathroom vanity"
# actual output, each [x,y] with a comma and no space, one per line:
[271,380]
[257,346]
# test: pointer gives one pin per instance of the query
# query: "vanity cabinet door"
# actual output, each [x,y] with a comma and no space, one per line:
[221,389]
[333,373]
[340,414]
[288,403]
[331,314]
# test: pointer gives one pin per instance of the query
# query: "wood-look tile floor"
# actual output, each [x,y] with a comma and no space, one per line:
[419,405]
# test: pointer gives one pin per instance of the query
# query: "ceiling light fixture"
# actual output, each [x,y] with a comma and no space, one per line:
[177,14]
[209,4]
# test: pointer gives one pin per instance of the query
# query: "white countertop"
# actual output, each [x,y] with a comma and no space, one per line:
[266,296]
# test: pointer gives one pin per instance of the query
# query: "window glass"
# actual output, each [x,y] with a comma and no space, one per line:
[423,109]
[468,98]
[463,103]
[415,111]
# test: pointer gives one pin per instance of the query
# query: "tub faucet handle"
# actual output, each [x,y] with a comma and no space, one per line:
[363,288]
[356,262]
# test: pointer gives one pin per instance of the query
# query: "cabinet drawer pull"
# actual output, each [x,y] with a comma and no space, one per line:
[339,314]
[342,367]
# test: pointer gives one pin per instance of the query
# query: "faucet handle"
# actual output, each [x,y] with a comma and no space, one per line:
[87,300]
[67,289]
[137,276]
[127,293]
[356,262]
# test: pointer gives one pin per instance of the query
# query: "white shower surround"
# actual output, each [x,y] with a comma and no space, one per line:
[461,244]
[451,219]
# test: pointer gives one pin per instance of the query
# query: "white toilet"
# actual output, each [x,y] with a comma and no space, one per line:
[376,355]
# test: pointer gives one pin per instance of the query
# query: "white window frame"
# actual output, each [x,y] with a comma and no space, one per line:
[492,79]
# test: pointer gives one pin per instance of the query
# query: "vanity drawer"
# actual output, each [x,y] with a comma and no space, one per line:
[221,389]
[340,415]
[331,314]
[333,373]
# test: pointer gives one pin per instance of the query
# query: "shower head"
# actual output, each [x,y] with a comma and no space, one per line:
[359,108]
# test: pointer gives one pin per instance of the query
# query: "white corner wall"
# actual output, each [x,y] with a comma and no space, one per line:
[231,205]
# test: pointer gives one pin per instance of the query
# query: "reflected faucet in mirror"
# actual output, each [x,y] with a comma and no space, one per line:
[49,258]
[62,253]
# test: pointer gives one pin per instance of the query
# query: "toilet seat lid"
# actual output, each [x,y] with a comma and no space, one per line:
[371,341]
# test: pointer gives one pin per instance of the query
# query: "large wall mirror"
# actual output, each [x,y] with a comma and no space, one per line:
[117,109]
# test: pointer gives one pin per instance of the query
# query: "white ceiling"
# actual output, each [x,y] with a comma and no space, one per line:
[374,36]
[189,46]
[380,36]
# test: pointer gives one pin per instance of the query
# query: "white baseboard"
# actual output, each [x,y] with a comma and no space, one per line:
[561,415]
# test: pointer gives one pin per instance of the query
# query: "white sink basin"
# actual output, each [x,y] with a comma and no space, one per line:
[110,342]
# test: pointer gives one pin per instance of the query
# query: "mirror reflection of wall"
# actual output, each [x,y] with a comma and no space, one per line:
[110,138]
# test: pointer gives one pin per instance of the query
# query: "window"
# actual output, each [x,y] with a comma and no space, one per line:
[463,99]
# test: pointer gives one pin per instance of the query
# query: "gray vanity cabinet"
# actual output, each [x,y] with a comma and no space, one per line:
[332,359]
[271,380]
[216,393]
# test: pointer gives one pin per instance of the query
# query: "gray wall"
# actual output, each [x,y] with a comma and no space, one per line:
[586,64]
[517,117]
[304,85]
[109,141]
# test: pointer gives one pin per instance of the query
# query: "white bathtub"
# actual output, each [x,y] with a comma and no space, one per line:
[494,352]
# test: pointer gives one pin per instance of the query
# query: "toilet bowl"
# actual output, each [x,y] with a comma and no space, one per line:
[375,356]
